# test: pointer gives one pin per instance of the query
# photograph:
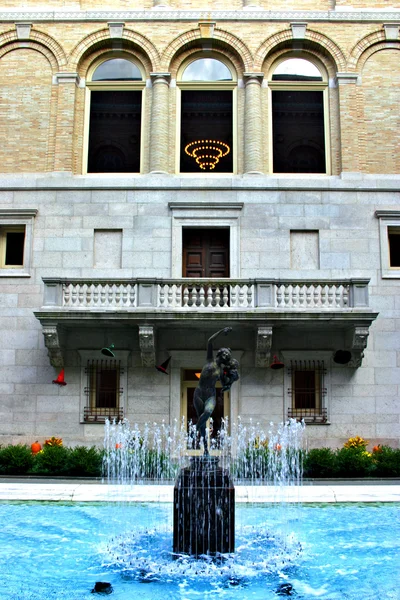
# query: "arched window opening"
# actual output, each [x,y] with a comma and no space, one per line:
[207,97]
[298,95]
[116,89]
[117,69]
[207,69]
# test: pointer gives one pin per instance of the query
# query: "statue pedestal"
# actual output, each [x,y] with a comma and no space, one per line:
[204,509]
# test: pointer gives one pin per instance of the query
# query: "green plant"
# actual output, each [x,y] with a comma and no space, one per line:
[15,459]
[52,460]
[354,462]
[387,461]
[320,462]
[83,461]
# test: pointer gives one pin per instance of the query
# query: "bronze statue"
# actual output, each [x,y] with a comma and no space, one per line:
[223,368]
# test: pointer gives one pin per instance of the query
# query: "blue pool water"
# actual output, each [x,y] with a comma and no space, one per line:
[330,552]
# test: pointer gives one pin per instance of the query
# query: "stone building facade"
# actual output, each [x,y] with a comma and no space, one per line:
[285,228]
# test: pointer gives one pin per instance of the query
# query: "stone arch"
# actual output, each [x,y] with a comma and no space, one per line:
[316,42]
[374,42]
[101,40]
[38,41]
[222,41]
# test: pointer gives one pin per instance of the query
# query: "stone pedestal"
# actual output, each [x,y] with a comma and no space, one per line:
[204,509]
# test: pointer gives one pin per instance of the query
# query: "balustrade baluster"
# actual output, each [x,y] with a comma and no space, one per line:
[338,295]
[81,295]
[241,296]
[225,297]
[74,295]
[286,294]
[202,296]
[66,294]
[279,295]
[330,295]
[301,296]
[233,294]
[317,295]
[161,295]
[217,296]
[209,296]
[295,296]
[346,292]
[323,296]
[170,296]
[309,290]
[185,296]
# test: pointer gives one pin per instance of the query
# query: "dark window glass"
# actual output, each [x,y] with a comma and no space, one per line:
[114,131]
[394,248]
[15,248]
[106,388]
[304,389]
[298,132]
[206,115]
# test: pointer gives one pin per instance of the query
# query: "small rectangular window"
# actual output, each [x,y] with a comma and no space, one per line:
[103,391]
[12,243]
[394,246]
[307,391]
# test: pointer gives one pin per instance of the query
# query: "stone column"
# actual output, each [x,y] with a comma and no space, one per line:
[67,83]
[253,123]
[159,139]
[350,121]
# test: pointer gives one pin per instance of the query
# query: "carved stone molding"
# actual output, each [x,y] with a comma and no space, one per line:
[52,343]
[147,345]
[64,77]
[116,29]
[189,15]
[391,31]
[359,343]
[298,30]
[207,29]
[23,30]
[263,346]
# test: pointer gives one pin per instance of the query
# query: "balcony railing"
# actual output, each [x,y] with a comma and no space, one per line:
[206,294]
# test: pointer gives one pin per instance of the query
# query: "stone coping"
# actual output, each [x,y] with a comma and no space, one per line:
[95,491]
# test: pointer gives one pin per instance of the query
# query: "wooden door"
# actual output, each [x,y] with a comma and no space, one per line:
[205,253]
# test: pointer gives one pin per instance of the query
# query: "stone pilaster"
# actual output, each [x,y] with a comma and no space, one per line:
[159,143]
[253,123]
[67,83]
[349,121]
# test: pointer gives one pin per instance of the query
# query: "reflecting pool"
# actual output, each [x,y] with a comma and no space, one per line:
[52,550]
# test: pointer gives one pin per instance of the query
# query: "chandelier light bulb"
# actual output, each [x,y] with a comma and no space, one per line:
[207,153]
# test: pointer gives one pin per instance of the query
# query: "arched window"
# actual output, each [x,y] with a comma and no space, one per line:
[299,116]
[115,90]
[207,99]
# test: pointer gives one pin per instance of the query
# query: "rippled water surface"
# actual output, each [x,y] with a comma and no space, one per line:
[330,552]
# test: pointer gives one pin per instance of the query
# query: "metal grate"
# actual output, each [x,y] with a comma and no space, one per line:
[103,391]
[307,391]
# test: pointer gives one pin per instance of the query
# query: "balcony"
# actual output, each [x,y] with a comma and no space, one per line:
[261,305]
[202,295]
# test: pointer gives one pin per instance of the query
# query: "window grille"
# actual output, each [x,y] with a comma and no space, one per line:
[103,391]
[307,391]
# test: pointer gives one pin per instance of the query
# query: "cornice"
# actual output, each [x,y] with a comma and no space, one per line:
[196,15]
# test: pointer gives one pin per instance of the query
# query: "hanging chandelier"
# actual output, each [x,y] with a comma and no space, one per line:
[207,153]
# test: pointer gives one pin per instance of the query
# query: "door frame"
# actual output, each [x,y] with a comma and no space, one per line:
[216,215]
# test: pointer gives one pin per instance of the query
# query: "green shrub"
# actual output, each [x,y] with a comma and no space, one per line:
[83,461]
[52,460]
[387,461]
[354,462]
[15,460]
[320,462]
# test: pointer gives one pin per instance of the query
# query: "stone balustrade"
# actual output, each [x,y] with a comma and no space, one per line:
[205,295]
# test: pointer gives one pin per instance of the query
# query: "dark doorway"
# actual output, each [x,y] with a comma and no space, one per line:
[205,252]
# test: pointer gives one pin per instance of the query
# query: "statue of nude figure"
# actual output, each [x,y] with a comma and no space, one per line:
[224,369]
